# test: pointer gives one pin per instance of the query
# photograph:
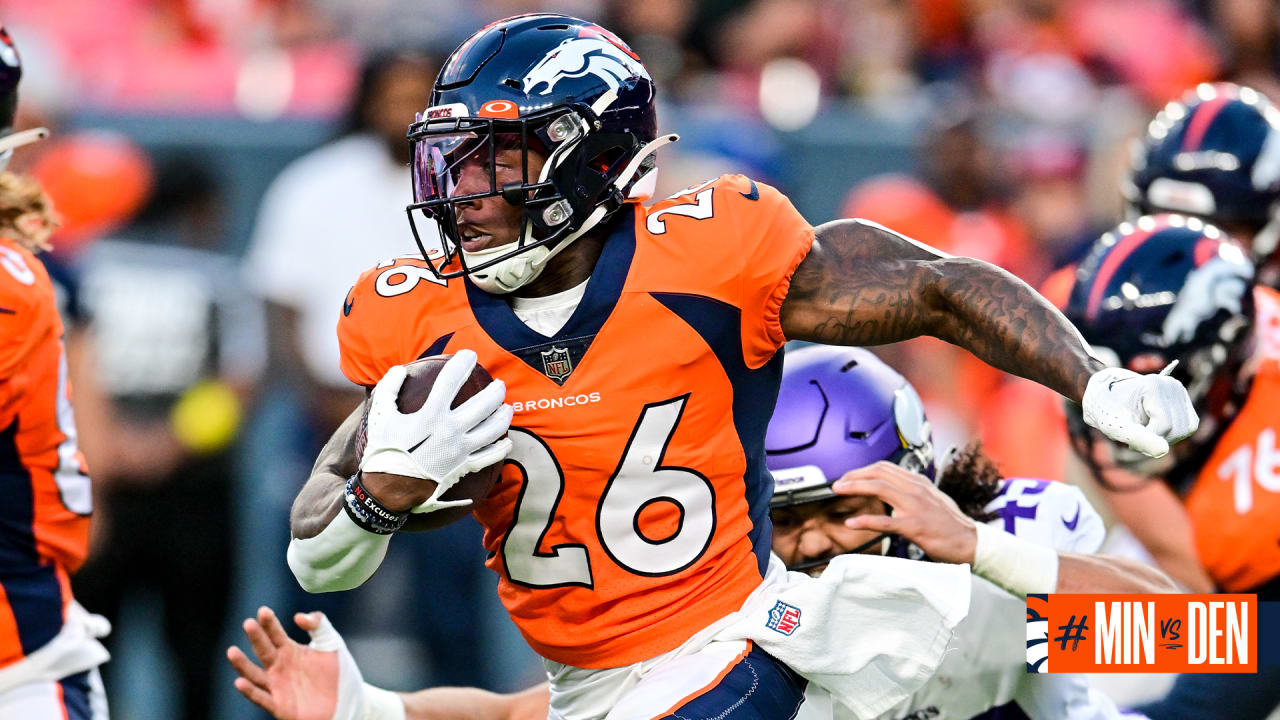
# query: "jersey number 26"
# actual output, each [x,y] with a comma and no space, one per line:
[639,481]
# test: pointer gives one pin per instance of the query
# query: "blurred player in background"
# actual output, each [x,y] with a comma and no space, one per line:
[300,261]
[177,346]
[838,410]
[1169,288]
[1215,154]
[49,649]
[632,520]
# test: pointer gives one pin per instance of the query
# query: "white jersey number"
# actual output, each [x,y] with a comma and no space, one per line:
[400,279]
[639,482]
[699,210]
[1247,465]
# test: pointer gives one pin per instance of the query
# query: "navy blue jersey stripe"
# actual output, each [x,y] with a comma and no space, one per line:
[31,587]
[436,347]
[759,687]
[75,696]
[35,597]
[754,394]
[499,321]
[17,511]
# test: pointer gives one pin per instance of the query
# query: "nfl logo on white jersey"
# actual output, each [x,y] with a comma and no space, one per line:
[784,618]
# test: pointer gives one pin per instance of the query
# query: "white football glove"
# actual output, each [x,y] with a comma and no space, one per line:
[437,443]
[1145,412]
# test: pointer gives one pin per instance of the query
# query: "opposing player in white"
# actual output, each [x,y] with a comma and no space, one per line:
[838,410]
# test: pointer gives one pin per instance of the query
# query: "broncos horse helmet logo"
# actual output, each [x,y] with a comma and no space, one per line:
[1218,284]
[579,57]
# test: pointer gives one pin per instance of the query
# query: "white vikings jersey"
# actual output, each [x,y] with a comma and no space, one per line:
[985,667]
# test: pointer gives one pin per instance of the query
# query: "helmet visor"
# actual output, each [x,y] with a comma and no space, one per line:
[438,162]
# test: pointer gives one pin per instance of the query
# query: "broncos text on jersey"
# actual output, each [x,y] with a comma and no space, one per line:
[633,509]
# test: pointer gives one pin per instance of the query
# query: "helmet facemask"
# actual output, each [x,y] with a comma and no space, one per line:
[586,176]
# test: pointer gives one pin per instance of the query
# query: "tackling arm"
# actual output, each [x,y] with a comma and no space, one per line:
[929,518]
[1080,573]
[460,703]
[861,284]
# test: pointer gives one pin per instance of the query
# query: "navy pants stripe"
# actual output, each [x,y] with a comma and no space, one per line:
[757,688]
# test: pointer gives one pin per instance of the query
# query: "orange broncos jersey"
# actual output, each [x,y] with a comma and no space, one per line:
[44,516]
[1234,503]
[633,509]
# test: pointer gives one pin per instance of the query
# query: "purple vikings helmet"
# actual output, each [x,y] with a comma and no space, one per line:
[840,409]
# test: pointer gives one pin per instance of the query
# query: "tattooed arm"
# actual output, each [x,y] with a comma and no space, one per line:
[863,285]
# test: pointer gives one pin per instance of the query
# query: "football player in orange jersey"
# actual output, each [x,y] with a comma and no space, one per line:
[49,652]
[1171,288]
[844,420]
[638,351]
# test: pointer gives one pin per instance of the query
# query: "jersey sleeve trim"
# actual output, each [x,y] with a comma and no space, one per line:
[773,305]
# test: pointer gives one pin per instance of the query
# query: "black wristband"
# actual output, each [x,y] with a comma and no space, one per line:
[367,512]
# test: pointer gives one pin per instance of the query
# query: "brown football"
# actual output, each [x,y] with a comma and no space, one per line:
[413,393]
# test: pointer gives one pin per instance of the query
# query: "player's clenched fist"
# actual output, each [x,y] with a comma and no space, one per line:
[1145,412]
[920,511]
[438,442]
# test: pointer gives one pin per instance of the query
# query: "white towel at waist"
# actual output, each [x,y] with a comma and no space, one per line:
[74,649]
[870,630]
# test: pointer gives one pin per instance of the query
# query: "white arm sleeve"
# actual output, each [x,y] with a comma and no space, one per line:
[341,557]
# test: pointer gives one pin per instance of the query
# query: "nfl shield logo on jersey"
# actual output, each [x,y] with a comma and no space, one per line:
[784,618]
[556,363]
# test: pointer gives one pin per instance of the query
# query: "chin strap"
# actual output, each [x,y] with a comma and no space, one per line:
[507,276]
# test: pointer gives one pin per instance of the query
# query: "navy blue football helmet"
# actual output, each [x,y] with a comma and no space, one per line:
[1165,288]
[563,87]
[1214,154]
[10,74]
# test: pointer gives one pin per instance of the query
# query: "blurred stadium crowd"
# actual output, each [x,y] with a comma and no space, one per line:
[225,169]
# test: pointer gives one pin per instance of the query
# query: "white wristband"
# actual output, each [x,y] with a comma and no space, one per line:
[379,704]
[1019,566]
[341,557]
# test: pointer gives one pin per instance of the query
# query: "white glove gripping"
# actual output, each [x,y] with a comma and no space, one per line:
[437,443]
[1145,412]
[357,700]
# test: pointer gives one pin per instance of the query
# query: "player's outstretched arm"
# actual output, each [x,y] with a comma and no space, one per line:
[459,703]
[320,681]
[929,518]
[861,284]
